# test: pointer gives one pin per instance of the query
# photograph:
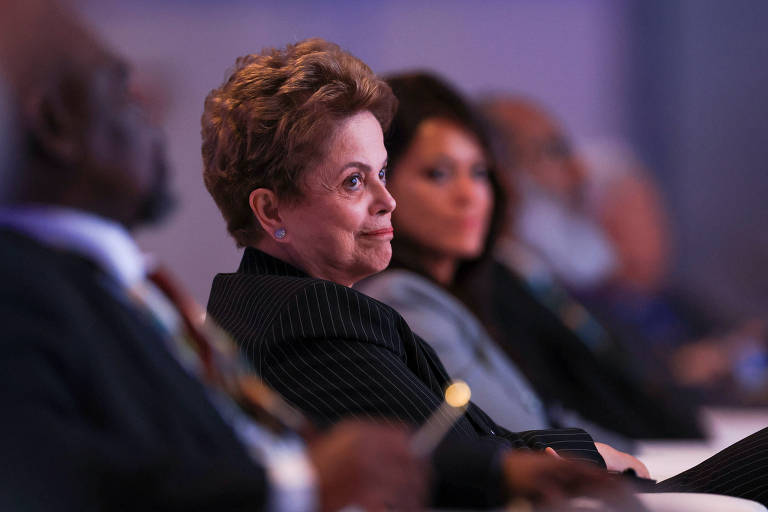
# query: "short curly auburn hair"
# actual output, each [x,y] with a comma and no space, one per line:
[273,116]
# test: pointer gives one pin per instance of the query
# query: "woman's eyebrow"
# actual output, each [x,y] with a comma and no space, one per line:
[361,165]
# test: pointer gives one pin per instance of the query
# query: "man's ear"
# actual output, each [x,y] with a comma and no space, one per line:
[266,208]
[54,124]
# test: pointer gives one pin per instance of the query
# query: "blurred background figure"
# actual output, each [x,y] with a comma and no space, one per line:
[659,323]
[624,199]
[591,238]
[549,246]
[551,233]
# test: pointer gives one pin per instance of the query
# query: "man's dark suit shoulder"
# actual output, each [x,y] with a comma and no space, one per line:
[41,288]
[98,414]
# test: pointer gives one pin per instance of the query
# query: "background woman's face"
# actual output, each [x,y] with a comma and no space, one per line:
[341,228]
[443,191]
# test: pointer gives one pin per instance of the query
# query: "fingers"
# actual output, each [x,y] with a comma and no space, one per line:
[640,469]
[616,460]
[550,451]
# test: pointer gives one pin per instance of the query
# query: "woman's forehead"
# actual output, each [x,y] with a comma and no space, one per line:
[442,137]
[357,139]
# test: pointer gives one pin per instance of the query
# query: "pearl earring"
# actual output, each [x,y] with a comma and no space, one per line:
[280,233]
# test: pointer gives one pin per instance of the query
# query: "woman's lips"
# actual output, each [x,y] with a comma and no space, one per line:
[380,232]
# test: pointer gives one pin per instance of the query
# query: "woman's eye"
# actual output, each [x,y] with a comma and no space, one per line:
[437,174]
[383,174]
[480,173]
[354,181]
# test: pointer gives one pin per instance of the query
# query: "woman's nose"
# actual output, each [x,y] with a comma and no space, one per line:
[383,202]
[467,190]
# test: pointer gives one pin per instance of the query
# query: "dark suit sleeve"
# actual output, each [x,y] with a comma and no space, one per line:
[55,459]
[571,443]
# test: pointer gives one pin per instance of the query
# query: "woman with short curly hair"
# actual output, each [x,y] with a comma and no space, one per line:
[294,156]
[274,115]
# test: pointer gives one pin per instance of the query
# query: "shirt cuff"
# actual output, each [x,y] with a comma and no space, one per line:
[291,478]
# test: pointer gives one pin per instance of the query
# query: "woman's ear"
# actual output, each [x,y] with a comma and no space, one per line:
[266,208]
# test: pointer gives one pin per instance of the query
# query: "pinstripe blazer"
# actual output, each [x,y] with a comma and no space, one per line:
[334,352]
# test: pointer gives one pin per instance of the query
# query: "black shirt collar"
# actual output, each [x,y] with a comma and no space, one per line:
[258,262]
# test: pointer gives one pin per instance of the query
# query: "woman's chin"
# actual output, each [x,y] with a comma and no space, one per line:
[468,252]
[377,261]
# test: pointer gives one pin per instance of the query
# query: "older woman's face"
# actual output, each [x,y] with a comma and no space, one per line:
[341,227]
[443,192]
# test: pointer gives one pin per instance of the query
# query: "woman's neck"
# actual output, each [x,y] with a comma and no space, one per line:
[278,251]
[441,269]
[284,252]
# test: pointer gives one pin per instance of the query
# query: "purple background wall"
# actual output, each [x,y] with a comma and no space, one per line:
[698,85]
[618,68]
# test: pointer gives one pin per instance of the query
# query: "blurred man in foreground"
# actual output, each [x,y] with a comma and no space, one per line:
[104,406]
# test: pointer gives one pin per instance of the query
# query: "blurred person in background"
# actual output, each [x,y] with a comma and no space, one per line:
[600,267]
[620,194]
[636,302]
[549,234]
[105,406]
[450,209]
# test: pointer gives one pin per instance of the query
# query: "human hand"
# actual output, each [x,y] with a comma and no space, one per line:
[367,465]
[548,481]
[616,460]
